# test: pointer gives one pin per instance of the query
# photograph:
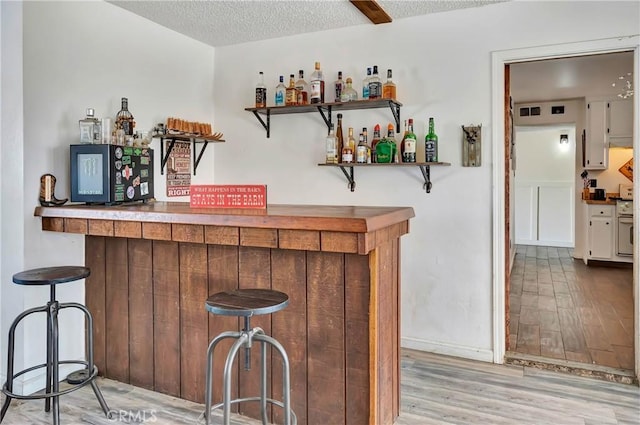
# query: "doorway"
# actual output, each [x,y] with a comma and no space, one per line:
[502,246]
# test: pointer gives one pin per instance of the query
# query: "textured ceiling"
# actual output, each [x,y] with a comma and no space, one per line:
[227,22]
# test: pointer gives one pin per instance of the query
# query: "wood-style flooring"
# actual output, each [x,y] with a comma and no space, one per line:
[434,390]
[563,309]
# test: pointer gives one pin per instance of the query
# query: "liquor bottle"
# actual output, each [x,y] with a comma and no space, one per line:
[124,119]
[349,93]
[386,147]
[408,146]
[361,150]
[303,89]
[90,128]
[261,92]
[389,88]
[291,94]
[351,141]
[281,90]
[347,151]
[317,85]
[374,142]
[366,144]
[375,86]
[339,138]
[365,85]
[339,86]
[332,147]
[431,144]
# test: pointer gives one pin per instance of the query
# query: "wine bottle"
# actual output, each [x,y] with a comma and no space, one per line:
[317,85]
[261,92]
[431,143]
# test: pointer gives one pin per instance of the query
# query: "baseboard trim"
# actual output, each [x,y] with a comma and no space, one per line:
[447,349]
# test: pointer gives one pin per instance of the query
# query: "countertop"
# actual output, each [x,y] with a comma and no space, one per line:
[359,219]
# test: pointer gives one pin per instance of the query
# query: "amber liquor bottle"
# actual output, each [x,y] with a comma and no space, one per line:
[124,119]
[339,137]
[291,94]
[389,88]
[374,142]
[302,88]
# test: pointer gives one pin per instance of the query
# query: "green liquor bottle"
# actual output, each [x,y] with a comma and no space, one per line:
[431,143]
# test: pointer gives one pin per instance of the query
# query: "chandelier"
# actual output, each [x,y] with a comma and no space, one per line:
[625,85]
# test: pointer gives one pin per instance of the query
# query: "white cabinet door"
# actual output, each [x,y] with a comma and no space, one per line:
[601,238]
[596,146]
[620,119]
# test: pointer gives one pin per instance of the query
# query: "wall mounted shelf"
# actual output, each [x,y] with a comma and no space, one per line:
[194,140]
[425,168]
[325,109]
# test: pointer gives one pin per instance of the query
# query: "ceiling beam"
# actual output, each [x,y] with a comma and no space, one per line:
[372,10]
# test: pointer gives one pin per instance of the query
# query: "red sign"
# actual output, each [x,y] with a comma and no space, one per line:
[228,196]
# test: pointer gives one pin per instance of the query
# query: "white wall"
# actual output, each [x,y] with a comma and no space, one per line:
[544,186]
[11,177]
[79,55]
[441,64]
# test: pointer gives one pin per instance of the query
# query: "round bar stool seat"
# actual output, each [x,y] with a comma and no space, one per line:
[246,303]
[53,276]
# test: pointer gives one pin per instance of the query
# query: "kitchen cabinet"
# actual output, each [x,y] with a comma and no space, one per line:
[620,123]
[596,146]
[600,232]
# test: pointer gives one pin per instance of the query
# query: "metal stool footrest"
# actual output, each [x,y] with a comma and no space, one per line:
[39,396]
[294,418]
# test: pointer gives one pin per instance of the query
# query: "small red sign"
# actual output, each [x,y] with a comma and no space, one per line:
[228,196]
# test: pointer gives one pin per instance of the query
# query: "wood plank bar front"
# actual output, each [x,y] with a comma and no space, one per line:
[154,265]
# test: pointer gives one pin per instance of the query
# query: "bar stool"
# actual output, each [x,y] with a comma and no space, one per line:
[53,276]
[246,303]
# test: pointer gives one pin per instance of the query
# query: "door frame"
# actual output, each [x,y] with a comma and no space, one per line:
[499,59]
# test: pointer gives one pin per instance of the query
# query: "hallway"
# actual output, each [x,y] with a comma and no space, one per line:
[562,309]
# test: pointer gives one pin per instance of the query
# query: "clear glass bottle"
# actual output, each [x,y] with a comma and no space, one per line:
[408,146]
[375,85]
[339,138]
[291,94]
[331,147]
[317,85]
[339,87]
[90,128]
[349,93]
[124,119]
[303,89]
[281,90]
[389,88]
[351,141]
[431,143]
[361,150]
[365,85]
[261,92]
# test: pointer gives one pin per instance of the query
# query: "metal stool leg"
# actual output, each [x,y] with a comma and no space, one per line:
[209,377]
[8,386]
[263,379]
[286,378]
[227,377]
[53,312]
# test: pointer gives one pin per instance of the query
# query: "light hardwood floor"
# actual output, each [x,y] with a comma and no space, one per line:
[562,309]
[435,390]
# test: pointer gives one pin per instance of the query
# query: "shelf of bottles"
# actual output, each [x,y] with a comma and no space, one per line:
[425,168]
[325,109]
[193,139]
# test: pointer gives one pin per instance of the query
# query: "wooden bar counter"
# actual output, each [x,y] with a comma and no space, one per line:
[153,266]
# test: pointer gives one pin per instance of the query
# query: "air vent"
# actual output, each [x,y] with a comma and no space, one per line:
[524,112]
[535,110]
[557,110]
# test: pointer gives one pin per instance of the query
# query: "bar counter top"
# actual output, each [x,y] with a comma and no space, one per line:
[360,219]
